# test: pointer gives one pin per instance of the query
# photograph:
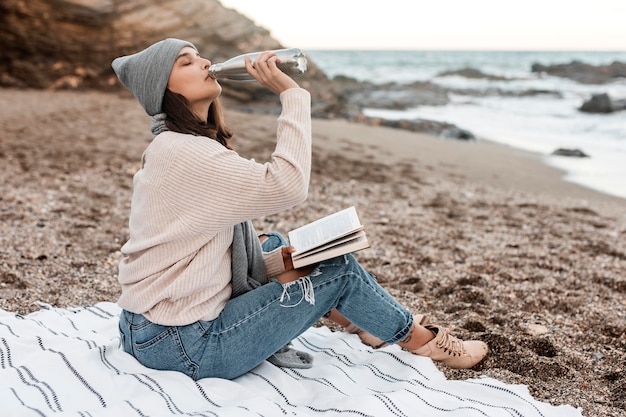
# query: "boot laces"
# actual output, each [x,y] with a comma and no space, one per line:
[450,344]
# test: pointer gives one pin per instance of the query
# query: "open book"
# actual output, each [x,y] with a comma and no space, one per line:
[330,236]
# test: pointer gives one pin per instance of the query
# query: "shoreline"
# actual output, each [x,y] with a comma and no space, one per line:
[516,100]
[505,167]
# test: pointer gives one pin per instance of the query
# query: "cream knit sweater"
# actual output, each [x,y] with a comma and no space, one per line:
[188,195]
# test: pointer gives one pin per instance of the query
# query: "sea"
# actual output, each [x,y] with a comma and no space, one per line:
[535,122]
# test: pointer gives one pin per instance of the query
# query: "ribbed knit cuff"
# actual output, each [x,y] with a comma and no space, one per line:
[274,264]
[297,102]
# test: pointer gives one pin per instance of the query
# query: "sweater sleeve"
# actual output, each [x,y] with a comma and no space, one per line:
[216,188]
[274,264]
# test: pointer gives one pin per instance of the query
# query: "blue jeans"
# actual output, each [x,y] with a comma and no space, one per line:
[256,324]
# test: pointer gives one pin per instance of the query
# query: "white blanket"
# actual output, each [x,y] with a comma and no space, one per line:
[62,362]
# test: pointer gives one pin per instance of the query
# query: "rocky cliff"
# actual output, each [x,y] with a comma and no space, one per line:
[58,44]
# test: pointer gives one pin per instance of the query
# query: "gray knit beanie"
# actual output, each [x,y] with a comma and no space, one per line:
[146,73]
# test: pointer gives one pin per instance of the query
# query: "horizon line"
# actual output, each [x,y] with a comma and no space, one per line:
[318,48]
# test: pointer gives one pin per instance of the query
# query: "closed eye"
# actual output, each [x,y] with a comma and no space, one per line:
[188,58]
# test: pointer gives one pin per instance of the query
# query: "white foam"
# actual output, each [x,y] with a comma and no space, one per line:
[540,122]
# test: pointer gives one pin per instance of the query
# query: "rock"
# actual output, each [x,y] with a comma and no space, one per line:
[458,133]
[359,95]
[69,44]
[598,103]
[537,330]
[391,96]
[473,74]
[602,103]
[431,127]
[584,73]
[577,153]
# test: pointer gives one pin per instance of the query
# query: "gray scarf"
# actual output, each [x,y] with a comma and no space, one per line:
[248,267]
[157,124]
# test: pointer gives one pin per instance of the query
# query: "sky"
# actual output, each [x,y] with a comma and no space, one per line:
[441,24]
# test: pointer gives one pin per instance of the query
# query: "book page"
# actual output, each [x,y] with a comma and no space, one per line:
[333,243]
[325,229]
[354,244]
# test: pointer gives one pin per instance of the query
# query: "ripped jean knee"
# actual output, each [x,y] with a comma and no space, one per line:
[305,288]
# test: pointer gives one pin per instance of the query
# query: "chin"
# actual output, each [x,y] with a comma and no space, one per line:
[218,93]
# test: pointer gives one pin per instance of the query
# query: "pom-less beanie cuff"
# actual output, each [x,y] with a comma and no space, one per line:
[146,73]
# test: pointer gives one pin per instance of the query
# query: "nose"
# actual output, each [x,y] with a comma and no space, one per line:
[207,63]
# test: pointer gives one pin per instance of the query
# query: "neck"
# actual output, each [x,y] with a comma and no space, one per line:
[201,111]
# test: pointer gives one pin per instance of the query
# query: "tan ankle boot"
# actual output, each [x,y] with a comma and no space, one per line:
[371,340]
[452,351]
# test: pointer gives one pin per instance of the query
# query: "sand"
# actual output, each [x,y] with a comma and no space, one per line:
[480,236]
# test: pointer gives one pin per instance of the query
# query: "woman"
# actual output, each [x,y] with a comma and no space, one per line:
[200,295]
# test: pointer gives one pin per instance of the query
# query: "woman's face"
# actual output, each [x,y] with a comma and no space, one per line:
[190,77]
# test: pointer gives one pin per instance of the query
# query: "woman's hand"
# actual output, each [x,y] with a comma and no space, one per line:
[267,73]
[291,274]
[287,251]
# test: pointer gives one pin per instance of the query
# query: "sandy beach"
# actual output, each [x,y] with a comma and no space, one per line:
[477,235]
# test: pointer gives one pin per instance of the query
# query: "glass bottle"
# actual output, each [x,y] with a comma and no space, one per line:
[292,62]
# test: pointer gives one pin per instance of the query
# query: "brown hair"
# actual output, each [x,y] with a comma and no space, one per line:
[180,118]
